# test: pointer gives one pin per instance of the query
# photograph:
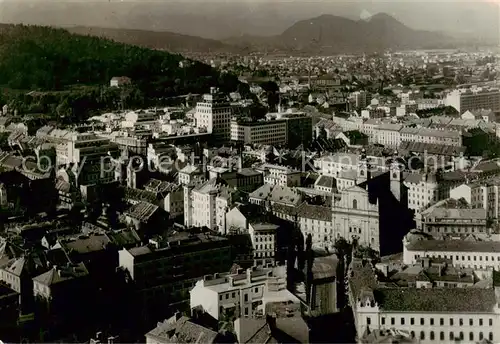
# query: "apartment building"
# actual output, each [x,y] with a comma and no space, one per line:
[426,315]
[481,194]
[432,136]
[389,134]
[470,254]
[259,132]
[444,218]
[280,175]
[424,189]
[332,165]
[474,98]
[214,114]
[206,203]
[263,236]
[244,294]
[166,269]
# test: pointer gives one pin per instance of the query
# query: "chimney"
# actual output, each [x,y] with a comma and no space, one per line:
[249,275]
[98,336]
[111,340]
[230,280]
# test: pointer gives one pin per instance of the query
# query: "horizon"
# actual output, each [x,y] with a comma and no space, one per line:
[232,18]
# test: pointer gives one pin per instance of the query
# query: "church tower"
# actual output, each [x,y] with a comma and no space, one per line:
[396,175]
[363,168]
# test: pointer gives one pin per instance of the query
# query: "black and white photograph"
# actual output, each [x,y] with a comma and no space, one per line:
[250,171]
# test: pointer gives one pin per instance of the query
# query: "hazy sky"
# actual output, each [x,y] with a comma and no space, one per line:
[222,18]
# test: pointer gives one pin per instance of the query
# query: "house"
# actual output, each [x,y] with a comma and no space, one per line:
[118,81]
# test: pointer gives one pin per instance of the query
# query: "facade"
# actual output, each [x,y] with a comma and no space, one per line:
[299,128]
[244,294]
[260,132]
[481,195]
[444,220]
[432,136]
[354,217]
[280,175]
[164,271]
[389,135]
[477,255]
[180,329]
[91,158]
[473,99]
[214,113]
[263,236]
[423,190]
[426,315]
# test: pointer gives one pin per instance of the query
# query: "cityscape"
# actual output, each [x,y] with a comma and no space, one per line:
[338,182]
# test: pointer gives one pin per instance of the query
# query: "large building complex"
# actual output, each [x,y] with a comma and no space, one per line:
[474,99]
[214,113]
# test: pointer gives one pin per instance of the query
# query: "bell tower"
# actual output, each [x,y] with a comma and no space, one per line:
[363,168]
[396,177]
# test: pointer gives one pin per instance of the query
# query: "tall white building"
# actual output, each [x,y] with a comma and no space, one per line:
[259,132]
[214,114]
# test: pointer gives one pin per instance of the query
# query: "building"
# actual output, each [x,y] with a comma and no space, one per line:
[272,132]
[361,99]
[299,128]
[166,269]
[471,254]
[90,158]
[425,314]
[180,329]
[118,81]
[263,236]
[244,294]
[473,99]
[432,136]
[280,175]
[449,218]
[389,135]
[214,114]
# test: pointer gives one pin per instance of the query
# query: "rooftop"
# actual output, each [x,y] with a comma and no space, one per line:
[454,246]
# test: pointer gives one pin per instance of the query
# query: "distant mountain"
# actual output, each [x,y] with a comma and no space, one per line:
[333,34]
[157,40]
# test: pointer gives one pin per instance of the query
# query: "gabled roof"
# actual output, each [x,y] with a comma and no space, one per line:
[55,275]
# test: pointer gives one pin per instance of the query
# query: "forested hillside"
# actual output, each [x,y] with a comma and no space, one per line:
[34,57]
[72,73]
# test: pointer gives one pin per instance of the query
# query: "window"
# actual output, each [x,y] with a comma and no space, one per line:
[246,297]
[256,290]
[452,336]
[422,321]
[432,335]
[471,322]
[412,321]
[368,320]
[355,204]
[227,296]
[412,334]
[441,335]
[461,336]
[383,321]
[461,322]
[422,335]
[432,321]
[441,321]
[471,336]
[220,297]
[480,335]
[246,311]
[480,322]
[402,321]
[451,322]
[490,336]
[393,321]
[233,295]
[491,322]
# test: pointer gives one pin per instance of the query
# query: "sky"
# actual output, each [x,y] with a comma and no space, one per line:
[219,18]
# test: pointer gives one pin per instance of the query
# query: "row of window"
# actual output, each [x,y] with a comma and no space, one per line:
[431,321]
[457,258]
[451,336]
